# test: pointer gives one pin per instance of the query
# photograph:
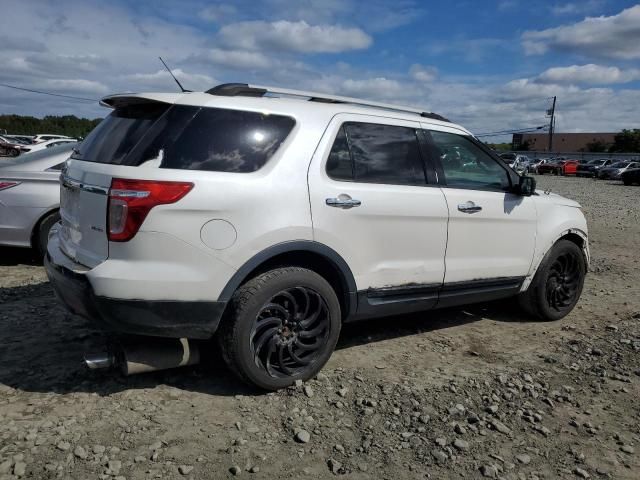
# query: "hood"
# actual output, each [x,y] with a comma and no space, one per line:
[557,199]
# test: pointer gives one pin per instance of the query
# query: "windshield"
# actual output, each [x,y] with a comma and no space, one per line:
[508,156]
[620,165]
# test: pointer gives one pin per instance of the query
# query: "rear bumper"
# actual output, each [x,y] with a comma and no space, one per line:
[161,318]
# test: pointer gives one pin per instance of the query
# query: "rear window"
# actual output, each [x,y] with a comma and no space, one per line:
[187,138]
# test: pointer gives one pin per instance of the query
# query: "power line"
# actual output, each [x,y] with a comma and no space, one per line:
[49,93]
[507,132]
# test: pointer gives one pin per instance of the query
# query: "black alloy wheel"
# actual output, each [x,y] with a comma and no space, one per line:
[280,326]
[563,281]
[290,331]
[556,287]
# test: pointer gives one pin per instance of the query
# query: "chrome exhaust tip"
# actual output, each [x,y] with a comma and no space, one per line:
[99,361]
[146,355]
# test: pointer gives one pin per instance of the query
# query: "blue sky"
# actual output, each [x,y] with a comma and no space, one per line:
[490,65]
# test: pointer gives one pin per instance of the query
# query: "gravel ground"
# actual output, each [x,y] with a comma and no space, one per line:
[479,392]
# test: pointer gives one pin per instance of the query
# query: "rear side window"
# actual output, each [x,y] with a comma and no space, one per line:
[374,153]
[195,138]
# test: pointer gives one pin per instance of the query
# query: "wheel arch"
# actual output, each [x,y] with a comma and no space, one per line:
[302,253]
[575,235]
[36,226]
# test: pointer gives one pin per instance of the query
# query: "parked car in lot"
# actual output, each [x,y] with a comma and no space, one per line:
[631,176]
[47,144]
[44,137]
[516,161]
[535,163]
[14,140]
[30,197]
[25,139]
[562,167]
[270,217]
[590,168]
[10,147]
[615,170]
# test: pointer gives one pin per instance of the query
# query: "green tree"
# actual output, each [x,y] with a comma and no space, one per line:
[627,141]
[596,146]
[69,125]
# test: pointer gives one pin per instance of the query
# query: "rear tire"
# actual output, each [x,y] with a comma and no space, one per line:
[557,285]
[281,326]
[41,234]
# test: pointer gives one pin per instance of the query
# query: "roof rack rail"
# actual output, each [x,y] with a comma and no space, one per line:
[246,90]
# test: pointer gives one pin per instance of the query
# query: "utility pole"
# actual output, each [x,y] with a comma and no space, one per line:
[551,112]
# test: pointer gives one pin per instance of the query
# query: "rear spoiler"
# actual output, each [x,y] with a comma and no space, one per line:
[122,99]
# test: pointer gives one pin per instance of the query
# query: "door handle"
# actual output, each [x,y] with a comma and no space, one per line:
[469,207]
[343,201]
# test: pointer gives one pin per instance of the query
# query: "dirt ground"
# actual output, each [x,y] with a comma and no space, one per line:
[479,392]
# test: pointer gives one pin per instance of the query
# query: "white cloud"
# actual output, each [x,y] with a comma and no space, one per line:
[77,85]
[374,15]
[616,37]
[588,74]
[474,50]
[378,87]
[217,13]
[239,59]
[293,36]
[507,5]
[576,8]
[421,73]
[162,81]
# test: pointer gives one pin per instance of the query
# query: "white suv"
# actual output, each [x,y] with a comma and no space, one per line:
[269,217]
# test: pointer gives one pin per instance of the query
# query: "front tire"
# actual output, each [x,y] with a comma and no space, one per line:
[282,326]
[557,285]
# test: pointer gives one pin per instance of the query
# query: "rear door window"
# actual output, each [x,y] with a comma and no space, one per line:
[376,153]
[188,138]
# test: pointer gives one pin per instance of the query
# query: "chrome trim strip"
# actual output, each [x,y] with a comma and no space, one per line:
[71,183]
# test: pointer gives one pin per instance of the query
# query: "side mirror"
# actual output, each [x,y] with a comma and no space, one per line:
[526,187]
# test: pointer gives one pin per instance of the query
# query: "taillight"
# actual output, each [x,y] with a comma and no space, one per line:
[4,184]
[131,200]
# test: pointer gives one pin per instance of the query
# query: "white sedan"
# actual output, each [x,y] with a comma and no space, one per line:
[30,197]
[28,149]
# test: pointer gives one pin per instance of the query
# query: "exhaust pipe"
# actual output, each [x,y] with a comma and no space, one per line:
[149,355]
[98,361]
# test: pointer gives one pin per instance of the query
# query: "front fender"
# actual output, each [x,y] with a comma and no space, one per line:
[554,223]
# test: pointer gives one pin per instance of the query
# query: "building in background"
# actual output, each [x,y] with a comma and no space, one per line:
[563,142]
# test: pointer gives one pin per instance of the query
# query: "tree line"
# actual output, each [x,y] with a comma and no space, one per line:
[69,125]
[627,141]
